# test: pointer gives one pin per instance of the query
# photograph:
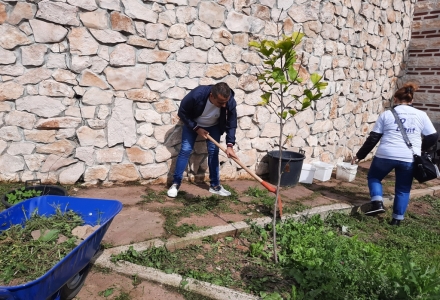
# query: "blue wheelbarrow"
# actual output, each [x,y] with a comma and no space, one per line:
[66,278]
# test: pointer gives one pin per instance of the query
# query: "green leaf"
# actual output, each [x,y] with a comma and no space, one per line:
[308,93]
[292,112]
[267,48]
[278,75]
[315,78]
[293,74]
[284,115]
[306,103]
[297,37]
[284,45]
[265,98]
[290,59]
[269,62]
[49,236]
[108,292]
[270,44]
[184,283]
[317,96]
[321,86]
[254,44]
[260,77]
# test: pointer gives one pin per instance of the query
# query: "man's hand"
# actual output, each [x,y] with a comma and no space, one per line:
[230,153]
[203,133]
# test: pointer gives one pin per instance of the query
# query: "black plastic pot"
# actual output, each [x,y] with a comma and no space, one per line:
[45,190]
[291,165]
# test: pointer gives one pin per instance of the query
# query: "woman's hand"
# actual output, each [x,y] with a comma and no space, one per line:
[354,160]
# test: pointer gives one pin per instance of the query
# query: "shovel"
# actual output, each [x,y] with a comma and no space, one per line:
[267,185]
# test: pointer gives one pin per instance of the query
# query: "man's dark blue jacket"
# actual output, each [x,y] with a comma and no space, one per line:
[193,105]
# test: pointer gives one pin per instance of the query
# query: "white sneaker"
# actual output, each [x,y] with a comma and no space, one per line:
[219,190]
[172,192]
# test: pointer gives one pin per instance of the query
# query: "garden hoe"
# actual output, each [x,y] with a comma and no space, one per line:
[267,185]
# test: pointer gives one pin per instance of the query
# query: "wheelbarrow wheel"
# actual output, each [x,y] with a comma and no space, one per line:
[74,285]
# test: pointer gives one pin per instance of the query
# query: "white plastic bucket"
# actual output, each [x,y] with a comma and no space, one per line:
[307,173]
[346,171]
[323,170]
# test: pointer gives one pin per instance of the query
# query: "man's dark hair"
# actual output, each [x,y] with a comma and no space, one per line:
[221,89]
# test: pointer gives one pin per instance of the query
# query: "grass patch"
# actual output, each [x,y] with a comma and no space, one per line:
[261,205]
[153,196]
[264,202]
[343,257]
[195,206]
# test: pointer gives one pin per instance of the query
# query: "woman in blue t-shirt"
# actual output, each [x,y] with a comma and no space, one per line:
[393,153]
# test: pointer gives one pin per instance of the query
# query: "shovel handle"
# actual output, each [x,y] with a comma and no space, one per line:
[235,159]
[268,186]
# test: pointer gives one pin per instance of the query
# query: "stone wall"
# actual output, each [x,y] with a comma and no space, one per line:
[89,89]
[424,57]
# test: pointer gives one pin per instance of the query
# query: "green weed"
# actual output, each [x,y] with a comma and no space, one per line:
[194,206]
[123,296]
[153,196]
[23,258]
[21,194]
[107,292]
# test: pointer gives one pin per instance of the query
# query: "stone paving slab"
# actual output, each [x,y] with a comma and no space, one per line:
[133,225]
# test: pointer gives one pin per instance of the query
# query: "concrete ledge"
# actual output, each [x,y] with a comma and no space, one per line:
[436,190]
[203,288]
[421,192]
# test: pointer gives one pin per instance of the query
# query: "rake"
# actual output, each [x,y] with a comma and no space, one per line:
[267,185]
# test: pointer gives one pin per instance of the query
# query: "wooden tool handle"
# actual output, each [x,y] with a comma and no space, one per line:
[236,160]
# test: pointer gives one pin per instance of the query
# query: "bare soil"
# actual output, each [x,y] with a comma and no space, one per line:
[98,282]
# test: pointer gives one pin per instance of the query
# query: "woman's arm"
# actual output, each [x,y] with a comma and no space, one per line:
[369,144]
[429,141]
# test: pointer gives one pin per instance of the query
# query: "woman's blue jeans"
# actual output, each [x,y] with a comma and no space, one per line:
[381,167]
[189,137]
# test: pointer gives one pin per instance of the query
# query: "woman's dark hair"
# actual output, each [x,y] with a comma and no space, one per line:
[406,93]
[221,89]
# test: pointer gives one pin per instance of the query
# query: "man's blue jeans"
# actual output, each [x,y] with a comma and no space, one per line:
[380,167]
[189,137]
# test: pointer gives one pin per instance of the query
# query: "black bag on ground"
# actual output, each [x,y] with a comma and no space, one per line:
[423,169]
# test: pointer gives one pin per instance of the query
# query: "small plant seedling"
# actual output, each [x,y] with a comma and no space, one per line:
[123,296]
[107,292]
[136,281]
[21,194]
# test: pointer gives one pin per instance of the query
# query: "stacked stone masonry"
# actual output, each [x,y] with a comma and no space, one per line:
[89,90]
[423,66]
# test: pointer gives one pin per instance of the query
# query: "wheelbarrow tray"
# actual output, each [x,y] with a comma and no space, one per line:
[93,212]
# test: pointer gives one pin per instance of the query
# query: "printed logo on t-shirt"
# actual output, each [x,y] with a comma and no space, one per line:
[409,128]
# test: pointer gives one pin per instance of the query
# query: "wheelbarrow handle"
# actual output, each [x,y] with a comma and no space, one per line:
[235,159]
[5,294]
